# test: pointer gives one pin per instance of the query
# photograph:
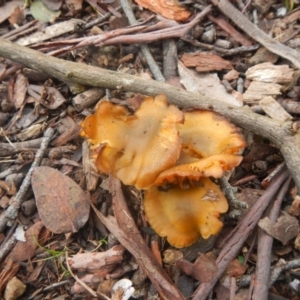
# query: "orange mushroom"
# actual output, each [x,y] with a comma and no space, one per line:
[161,145]
[206,133]
[212,166]
[184,215]
[135,148]
[209,147]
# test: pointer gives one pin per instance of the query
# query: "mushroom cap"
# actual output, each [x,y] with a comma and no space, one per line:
[184,215]
[209,144]
[206,133]
[135,148]
[104,125]
[212,166]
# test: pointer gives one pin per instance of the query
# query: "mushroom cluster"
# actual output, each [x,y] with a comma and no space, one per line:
[171,155]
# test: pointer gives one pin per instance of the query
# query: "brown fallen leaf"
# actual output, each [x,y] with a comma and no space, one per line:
[62,205]
[25,250]
[49,96]
[204,268]
[285,228]
[8,9]
[17,17]
[236,269]
[167,8]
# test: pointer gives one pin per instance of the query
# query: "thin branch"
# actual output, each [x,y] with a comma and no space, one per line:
[281,134]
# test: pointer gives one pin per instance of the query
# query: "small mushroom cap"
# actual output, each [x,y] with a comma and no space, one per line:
[206,133]
[212,166]
[209,144]
[135,148]
[184,215]
[107,116]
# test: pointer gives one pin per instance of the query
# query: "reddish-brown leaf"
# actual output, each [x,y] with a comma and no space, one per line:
[25,250]
[204,268]
[63,206]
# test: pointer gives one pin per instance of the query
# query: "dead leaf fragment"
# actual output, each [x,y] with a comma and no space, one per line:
[236,269]
[25,250]
[205,62]
[8,9]
[74,5]
[285,228]
[167,8]
[204,268]
[48,96]
[206,84]
[17,17]
[20,89]
[62,205]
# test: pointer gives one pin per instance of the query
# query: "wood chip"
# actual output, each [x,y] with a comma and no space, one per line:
[205,62]
[168,9]
[257,90]
[272,108]
[267,72]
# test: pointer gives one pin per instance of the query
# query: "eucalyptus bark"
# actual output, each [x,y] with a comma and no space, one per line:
[280,134]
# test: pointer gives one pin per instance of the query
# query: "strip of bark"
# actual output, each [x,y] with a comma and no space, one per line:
[124,229]
[236,241]
[281,134]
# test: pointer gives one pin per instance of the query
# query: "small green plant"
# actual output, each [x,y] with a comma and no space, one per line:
[54,255]
[241,259]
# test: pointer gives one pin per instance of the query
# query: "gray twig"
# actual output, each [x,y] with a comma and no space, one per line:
[144,48]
